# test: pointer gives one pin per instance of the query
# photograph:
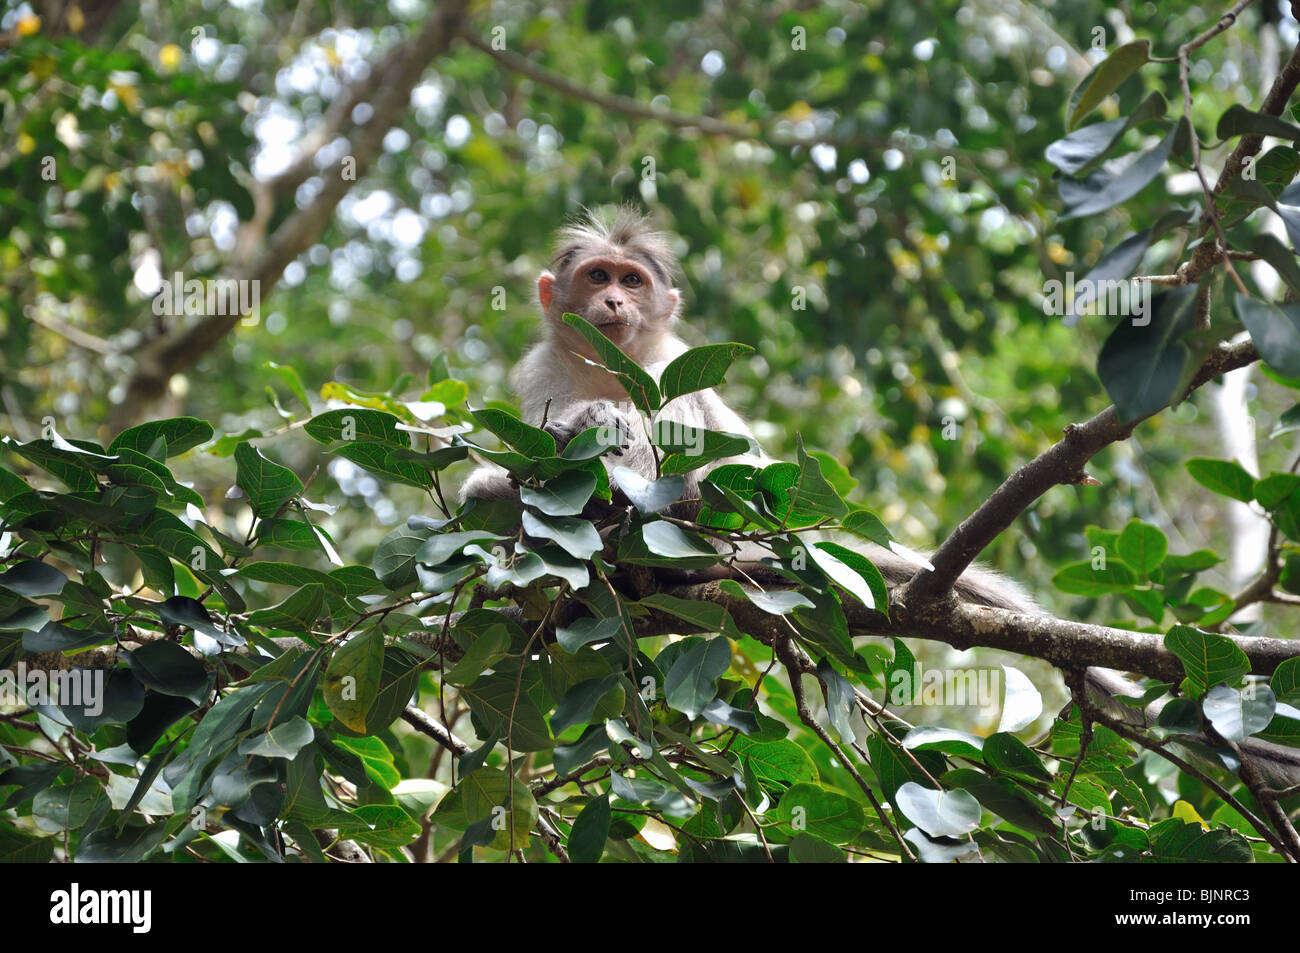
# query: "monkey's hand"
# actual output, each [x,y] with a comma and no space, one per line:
[615,429]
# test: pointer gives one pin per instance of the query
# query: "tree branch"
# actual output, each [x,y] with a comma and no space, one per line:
[1062,463]
[675,118]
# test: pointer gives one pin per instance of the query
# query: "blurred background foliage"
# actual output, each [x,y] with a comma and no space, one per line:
[893,179]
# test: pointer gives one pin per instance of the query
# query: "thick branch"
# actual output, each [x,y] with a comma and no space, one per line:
[1278,96]
[1065,644]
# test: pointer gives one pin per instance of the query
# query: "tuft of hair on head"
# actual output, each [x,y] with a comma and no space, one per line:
[621,229]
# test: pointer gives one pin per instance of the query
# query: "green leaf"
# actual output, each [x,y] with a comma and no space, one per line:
[1286,681]
[575,536]
[1237,714]
[440,547]
[282,741]
[648,496]
[775,601]
[268,485]
[298,613]
[640,386]
[826,814]
[352,678]
[672,542]
[56,637]
[1237,120]
[487,649]
[31,577]
[1105,78]
[395,557]
[699,368]
[166,667]
[178,433]
[528,440]
[841,701]
[1280,257]
[560,564]
[853,572]
[1273,170]
[130,846]
[1142,546]
[1223,477]
[781,762]
[76,470]
[689,448]
[585,631]
[287,534]
[944,740]
[1084,146]
[807,849]
[355,424]
[1144,367]
[691,683]
[1198,561]
[1207,658]
[1007,754]
[491,700]
[720,713]
[182,610]
[812,493]
[1174,840]
[589,701]
[291,380]
[287,574]
[867,524]
[1102,190]
[563,495]
[1275,329]
[1081,579]
[938,813]
[590,831]
[708,616]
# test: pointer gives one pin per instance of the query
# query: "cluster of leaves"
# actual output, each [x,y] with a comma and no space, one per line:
[248,702]
[1135,565]
[1146,363]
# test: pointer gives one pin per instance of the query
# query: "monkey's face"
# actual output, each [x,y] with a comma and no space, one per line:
[616,293]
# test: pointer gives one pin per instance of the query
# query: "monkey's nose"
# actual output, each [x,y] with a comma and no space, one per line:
[613,304]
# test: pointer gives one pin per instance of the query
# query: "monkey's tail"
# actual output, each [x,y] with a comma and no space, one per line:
[1278,764]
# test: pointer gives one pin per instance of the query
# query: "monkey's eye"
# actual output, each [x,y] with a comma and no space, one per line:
[598,275]
[632,279]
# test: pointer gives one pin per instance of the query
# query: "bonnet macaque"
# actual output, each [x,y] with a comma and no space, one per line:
[618,273]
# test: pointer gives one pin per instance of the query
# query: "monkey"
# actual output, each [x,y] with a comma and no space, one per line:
[619,272]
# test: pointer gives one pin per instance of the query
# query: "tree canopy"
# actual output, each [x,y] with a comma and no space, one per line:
[1008,282]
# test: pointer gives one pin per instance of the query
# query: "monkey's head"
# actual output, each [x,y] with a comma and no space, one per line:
[616,271]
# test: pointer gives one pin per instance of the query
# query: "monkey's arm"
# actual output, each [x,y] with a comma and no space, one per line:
[489,482]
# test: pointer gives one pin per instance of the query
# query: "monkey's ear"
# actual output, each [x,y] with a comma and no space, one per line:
[675,302]
[545,286]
